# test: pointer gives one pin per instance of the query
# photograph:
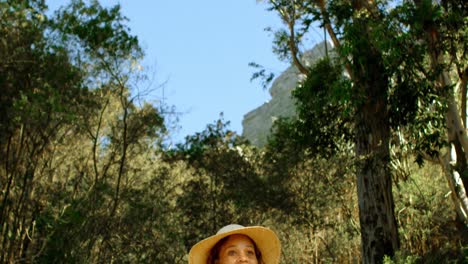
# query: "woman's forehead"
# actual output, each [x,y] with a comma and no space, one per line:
[238,238]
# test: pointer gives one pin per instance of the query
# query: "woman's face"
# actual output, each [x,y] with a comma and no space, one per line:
[237,249]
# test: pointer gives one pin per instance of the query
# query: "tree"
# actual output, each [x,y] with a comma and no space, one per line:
[441,30]
[356,23]
[41,92]
[225,183]
[67,82]
[403,62]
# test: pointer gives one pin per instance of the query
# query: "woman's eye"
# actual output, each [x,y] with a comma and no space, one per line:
[231,253]
[251,253]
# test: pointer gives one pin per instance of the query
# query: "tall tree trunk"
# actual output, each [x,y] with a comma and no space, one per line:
[457,192]
[455,167]
[379,232]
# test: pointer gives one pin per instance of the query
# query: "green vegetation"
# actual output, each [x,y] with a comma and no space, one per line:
[86,177]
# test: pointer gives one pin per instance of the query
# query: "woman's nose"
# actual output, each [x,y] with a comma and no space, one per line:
[243,257]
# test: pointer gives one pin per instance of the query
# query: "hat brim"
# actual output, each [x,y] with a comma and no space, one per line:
[266,240]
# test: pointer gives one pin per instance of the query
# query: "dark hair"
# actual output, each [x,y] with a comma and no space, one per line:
[215,250]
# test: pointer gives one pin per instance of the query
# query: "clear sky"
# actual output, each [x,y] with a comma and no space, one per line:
[200,50]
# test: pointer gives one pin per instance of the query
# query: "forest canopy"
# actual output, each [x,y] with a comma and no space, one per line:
[372,168]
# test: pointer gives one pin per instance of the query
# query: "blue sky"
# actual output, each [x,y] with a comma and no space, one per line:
[200,50]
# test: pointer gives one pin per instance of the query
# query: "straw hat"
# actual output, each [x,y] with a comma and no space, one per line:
[266,240]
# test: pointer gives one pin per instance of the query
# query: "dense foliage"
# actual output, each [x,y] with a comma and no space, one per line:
[86,177]
[406,65]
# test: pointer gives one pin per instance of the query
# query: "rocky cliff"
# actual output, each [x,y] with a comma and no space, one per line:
[258,122]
